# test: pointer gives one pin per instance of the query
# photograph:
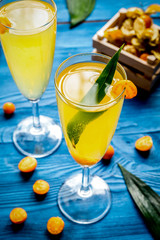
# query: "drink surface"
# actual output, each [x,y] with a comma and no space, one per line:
[29,44]
[74,82]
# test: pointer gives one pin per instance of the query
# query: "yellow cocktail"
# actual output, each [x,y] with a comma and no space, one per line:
[28,41]
[88,129]
[29,51]
[74,82]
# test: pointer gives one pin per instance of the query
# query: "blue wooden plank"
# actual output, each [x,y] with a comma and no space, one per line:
[139,117]
[103,9]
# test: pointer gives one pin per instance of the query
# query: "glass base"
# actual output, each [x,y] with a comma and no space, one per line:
[84,207]
[37,142]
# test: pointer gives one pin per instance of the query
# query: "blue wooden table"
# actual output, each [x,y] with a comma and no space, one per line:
[139,117]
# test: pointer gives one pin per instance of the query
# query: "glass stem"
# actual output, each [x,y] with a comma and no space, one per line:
[35,111]
[85,188]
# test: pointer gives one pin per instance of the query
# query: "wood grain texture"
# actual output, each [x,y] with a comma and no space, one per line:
[104,10]
[139,117]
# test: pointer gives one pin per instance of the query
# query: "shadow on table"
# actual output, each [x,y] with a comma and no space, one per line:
[8,116]
[144,154]
[40,197]
[26,176]
[106,162]
[17,227]
[53,237]
[144,95]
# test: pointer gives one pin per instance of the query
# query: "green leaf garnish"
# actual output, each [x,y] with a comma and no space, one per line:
[78,123]
[79,10]
[147,201]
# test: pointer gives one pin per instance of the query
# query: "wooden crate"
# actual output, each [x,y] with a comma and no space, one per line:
[143,74]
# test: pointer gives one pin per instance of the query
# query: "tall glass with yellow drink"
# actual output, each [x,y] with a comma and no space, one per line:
[88,129]
[28,34]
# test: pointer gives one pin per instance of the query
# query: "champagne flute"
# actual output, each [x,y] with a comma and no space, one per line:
[28,35]
[88,130]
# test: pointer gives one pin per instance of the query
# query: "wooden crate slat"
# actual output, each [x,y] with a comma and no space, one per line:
[125,57]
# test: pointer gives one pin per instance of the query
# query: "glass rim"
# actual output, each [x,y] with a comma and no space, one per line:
[33,29]
[80,105]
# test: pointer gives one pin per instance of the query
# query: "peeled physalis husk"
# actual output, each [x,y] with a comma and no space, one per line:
[134,12]
[148,33]
[130,49]
[139,27]
[156,54]
[153,9]
[155,34]
[127,29]
[138,44]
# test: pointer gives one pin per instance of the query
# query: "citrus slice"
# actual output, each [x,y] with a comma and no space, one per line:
[153,9]
[130,88]
[4,23]
[144,143]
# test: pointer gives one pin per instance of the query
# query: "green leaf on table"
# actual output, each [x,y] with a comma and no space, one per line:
[147,201]
[79,10]
[94,96]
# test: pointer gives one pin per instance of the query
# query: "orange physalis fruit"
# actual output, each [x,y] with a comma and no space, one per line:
[114,36]
[55,225]
[4,23]
[9,108]
[144,56]
[41,187]
[147,19]
[18,215]
[109,153]
[144,143]
[130,88]
[27,164]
